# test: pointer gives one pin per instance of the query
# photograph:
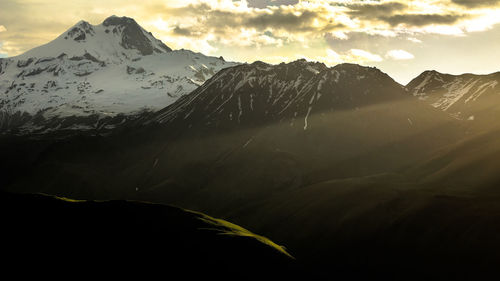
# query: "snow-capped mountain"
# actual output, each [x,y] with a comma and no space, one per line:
[100,71]
[464,96]
[255,93]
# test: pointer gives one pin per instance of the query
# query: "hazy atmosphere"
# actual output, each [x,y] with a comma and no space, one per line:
[403,38]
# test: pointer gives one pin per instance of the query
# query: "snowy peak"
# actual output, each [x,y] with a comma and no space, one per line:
[106,70]
[464,96]
[253,94]
[115,39]
[427,79]
[80,31]
[134,36]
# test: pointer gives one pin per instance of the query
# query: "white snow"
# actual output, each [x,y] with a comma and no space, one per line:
[456,90]
[312,69]
[248,142]
[307,116]
[423,83]
[121,81]
[239,108]
[480,90]
[337,76]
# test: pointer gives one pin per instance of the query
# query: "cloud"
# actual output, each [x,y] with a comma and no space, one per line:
[3,54]
[333,31]
[286,18]
[333,57]
[267,3]
[414,40]
[184,31]
[422,19]
[396,13]
[289,21]
[476,3]
[399,55]
[8,48]
[375,10]
[2,28]
[357,55]
[376,42]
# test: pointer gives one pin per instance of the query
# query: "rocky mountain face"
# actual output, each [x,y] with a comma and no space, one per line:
[95,77]
[467,97]
[259,93]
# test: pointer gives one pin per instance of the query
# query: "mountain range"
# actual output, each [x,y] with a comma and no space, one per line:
[95,78]
[355,173]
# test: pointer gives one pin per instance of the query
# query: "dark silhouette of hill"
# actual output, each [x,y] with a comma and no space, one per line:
[120,238]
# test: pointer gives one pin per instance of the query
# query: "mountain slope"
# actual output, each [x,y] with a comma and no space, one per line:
[470,163]
[468,96]
[94,74]
[133,237]
[259,93]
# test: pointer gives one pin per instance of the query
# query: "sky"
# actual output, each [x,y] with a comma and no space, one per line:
[402,38]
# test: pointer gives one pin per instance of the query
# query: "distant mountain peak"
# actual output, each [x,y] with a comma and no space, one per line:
[116,20]
[116,39]
[464,96]
[80,31]
[134,36]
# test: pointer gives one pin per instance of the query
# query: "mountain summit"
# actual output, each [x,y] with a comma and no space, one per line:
[467,96]
[257,93]
[116,38]
[97,75]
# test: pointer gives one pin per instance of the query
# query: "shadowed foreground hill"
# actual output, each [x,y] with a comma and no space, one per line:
[130,237]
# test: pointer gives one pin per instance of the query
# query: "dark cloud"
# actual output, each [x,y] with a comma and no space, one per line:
[266,3]
[421,19]
[476,3]
[184,31]
[188,10]
[394,14]
[221,21]
[375,10]
[288,21]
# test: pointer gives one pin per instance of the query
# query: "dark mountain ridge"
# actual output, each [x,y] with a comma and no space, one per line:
[259,93]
